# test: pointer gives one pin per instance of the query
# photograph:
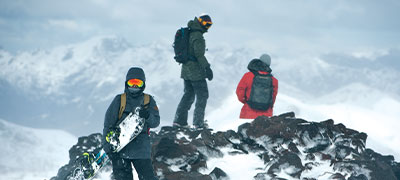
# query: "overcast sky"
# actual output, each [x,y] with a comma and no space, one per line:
[301,26]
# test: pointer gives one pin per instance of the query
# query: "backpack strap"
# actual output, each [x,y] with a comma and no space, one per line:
[146,100]
[122,106]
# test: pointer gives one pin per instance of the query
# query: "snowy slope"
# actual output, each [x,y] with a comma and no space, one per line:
[28,153]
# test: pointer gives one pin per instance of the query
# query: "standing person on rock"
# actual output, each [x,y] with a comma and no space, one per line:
[194,73]
[138,151]
[257,89]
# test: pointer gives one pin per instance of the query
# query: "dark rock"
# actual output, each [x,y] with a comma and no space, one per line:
[288,159]
[85,144]
[337,176]
[186,176]
[358,177]
[293,148]
[265,157]
[287,115]
[262,176]
[342,151]
[168,148]
[310,156]
[309,165]
[218,173]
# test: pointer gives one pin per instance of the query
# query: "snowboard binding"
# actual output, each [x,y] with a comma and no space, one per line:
[113,138]
[86,164]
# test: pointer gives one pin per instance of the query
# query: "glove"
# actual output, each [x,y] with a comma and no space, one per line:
[209,73]
[144,113]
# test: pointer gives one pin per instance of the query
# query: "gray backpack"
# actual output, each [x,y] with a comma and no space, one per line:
[262,91]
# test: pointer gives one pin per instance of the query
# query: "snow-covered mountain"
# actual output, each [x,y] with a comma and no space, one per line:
[75,83]
[27,153]
[69,87]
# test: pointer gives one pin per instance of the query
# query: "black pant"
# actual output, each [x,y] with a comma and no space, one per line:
[192,89]
[122,169]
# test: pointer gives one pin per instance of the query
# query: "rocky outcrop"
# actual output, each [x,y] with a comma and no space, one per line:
[285,144]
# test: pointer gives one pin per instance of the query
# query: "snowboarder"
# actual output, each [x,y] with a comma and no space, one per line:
[138,151]
[194,73]
[257,89]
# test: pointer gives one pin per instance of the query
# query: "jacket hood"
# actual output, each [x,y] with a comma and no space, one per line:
[258,65]
[196,26]
[135,73]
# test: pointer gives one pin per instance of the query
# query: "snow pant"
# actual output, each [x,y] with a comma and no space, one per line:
[122,169]
[192,90]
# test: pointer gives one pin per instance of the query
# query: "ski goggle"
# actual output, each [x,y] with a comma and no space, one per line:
[206,24]
[135,83]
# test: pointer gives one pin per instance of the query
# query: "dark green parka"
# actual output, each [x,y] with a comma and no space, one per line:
[195,70]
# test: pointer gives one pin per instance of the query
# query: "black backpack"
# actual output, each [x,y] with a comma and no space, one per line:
[181,45]
[261,95]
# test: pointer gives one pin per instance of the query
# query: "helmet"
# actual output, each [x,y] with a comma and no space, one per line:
[205,21]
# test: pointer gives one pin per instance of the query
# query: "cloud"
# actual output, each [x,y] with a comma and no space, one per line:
[320,25]
[68,24]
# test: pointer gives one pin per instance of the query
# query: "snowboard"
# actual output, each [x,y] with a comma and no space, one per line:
[89,164]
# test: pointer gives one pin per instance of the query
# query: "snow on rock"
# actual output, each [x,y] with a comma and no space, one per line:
[279,147]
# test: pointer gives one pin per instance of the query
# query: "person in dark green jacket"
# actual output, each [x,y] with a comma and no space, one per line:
[138,151]
[194,73]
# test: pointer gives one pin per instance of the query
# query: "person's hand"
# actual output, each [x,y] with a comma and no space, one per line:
[144,113]
[209,73]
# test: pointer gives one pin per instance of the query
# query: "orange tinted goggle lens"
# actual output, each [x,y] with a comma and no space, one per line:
[135,83]
[206,24]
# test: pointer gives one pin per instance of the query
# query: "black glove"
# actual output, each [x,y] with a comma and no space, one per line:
[144,113]
[209,73]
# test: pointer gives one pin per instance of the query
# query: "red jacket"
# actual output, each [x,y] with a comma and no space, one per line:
[243,93]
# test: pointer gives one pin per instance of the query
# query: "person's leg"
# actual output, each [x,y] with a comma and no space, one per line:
[144,168]
[186,102]
[122,169]
[201,91]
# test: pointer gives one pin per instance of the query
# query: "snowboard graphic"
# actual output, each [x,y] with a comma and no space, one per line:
[118,138]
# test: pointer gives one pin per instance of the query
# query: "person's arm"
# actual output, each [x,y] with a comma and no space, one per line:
[154,115]
[199,49]
[275,86]
[110,119]
[243,86]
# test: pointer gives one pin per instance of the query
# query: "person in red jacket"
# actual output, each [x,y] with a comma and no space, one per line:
[256,66]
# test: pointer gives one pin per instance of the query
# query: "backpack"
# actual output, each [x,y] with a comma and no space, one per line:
[261,95]
[181,45]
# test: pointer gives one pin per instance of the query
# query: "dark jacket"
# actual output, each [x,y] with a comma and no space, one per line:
[140,147]
[244,88]
[194,70]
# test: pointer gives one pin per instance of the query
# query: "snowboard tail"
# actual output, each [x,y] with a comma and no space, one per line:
[90,164]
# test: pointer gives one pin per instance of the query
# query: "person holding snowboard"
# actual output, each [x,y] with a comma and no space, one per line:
[257,89]
[194,73]
[138,151]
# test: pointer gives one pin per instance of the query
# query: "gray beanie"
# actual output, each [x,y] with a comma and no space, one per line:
[266,59]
